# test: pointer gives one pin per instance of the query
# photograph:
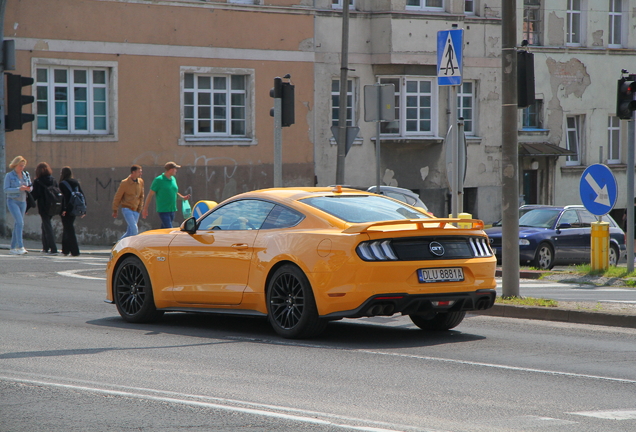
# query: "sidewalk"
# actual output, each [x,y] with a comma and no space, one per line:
[35,246]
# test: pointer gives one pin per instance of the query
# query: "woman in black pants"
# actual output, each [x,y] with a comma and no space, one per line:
[43,180]
[69,240]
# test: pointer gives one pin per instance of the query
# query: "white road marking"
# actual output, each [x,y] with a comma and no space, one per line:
[447,360]
[264,410]
[609,415]
[73,273]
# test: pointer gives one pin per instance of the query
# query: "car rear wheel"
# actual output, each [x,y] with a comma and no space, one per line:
[133,292]
[440,322]
[544,258]
[613,255]
[292,310]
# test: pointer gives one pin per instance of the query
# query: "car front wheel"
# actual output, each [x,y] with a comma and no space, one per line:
[133,292]
[613,256]
[544,258]
[291,306]
[440,322]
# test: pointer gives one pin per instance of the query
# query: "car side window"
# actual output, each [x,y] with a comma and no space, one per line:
[282,217]
[570,217]
[587,218]
[238,215]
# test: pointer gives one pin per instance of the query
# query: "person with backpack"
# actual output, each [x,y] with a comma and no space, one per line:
[17,185]
[74,206]
[130,197]
[49,199]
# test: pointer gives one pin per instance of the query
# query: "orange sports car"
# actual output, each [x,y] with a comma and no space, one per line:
[306,256]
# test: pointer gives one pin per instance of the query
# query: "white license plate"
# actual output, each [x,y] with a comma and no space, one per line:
[443,274]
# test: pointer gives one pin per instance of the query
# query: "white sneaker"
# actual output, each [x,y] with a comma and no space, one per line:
[14,251]
[23,251]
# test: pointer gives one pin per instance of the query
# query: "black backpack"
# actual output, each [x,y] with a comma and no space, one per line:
[53,200]
[77,201]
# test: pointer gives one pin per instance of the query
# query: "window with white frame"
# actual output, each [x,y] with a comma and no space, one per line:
[531,116]
[466,106]
[573,30]
[335,102]
[337,4]
[72,100]
[242,1]
[613,140]
[415,106]
[573,138]
[532,21]
[215,105]
[615,23]
[433,5]
[469,7]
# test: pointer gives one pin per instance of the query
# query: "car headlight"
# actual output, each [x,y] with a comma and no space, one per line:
[524,242]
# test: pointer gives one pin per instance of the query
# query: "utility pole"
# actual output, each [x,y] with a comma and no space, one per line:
[342,118]
[509,151]
[3,154]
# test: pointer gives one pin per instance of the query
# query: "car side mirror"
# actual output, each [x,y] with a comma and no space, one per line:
[189,225]
[564,225]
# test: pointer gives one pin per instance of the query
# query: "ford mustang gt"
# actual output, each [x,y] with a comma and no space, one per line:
[304,256]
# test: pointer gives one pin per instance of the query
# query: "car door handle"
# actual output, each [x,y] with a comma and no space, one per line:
[240,246]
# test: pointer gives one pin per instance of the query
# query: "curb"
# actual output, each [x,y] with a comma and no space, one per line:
[561,315]
[525,274]
[83,251]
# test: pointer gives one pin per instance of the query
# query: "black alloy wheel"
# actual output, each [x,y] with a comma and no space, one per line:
[291,308]
[132,292]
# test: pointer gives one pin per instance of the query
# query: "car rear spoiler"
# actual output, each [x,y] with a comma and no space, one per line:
[420,224]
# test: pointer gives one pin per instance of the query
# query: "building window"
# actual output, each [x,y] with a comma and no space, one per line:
[532,21]
[435,5]
[242,1]
[415,106]
[532,115]
[214,105]
[615,23]
[573,139]
[72,100]
[573,30]
[613,140]
[469,7]
[335,102]
[466,106]
[337,4]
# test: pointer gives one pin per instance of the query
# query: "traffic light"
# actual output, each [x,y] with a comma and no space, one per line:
[14,119]
[625,103]
[525,79]
[285,92]
[288,118]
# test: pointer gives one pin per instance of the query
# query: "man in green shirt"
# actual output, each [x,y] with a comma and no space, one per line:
[166,189]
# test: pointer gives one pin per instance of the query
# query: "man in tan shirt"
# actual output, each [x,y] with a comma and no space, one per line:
[130,197]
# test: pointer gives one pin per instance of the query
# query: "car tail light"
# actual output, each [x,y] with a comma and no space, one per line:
[480,247]
[445,303]
[378,250]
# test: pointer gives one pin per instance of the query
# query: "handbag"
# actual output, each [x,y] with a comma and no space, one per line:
[186,210]
[30,201]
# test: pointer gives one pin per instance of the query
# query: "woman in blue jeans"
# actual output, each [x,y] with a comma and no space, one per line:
[16,184]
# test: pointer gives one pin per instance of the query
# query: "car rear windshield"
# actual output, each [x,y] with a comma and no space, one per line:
[363,208]
[538,218]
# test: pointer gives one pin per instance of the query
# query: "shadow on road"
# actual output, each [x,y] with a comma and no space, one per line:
[339,334]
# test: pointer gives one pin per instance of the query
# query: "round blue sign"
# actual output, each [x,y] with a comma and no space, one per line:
[598,189]
[202,207]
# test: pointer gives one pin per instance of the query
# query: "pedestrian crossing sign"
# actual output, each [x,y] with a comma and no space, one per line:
[450,57]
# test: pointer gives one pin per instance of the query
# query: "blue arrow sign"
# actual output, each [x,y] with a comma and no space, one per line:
[598,189]
[202,207]
[450,57]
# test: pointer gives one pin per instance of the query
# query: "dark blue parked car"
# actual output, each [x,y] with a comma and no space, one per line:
[550,235]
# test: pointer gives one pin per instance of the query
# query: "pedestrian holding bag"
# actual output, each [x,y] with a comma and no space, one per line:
[77,201]
[186,210]
[30,201]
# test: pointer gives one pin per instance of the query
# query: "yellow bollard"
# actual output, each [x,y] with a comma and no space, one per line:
[599,258]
